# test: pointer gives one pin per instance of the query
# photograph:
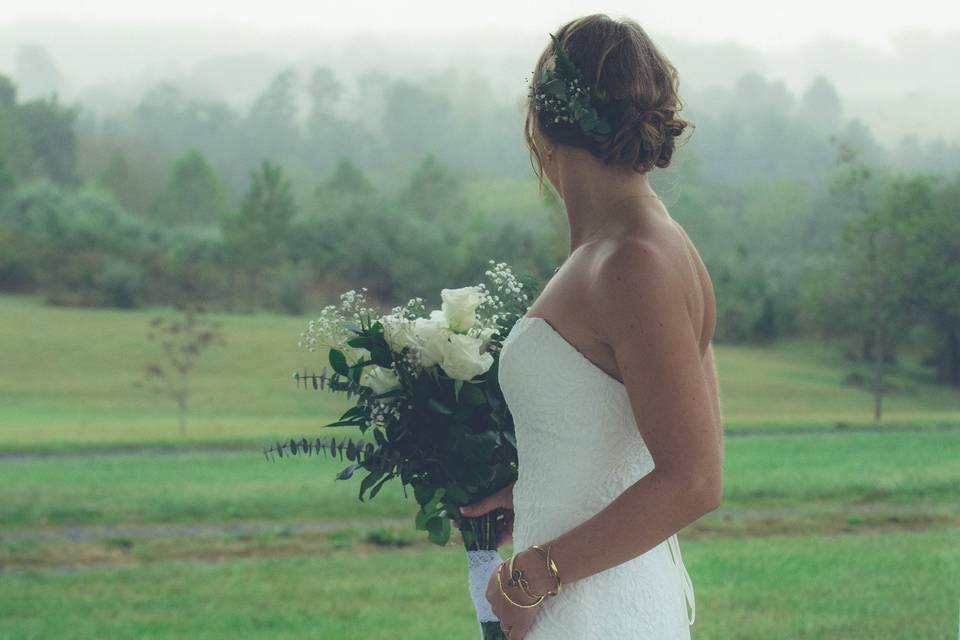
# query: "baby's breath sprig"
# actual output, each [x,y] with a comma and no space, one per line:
[412,309]
[507,295]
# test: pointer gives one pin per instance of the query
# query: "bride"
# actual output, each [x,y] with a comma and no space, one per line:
[610,376]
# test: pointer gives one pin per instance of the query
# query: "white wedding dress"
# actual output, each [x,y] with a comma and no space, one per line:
[579,448]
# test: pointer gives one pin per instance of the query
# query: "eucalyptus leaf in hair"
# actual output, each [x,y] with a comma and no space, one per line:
[563,96]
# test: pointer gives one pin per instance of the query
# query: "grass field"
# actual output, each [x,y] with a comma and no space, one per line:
[854,587]
[841,534]
[66,381]
[772,472]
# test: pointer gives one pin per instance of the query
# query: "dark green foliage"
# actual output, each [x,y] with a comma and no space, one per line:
[345,185]
[123,179]
[51,139]
[891,272]
[822,106]
[18,156]
[193,194]
[426,219]
[80,247]
[292,290]
[748,309]
[929,221]
[417,120]
[8,93]
[7,179]
[271,126]
[252,236]
[19,261]
[434,193]
[121,284]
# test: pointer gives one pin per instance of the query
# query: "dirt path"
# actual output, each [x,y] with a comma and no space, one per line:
[100,532]
[193,530]
[258,450]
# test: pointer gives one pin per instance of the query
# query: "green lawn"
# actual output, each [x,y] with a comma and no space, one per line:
[799,383]
[66,380]
[66,374]
[762,565]
[895,586]
[798,472]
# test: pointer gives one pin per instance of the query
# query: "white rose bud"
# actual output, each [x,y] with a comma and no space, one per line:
[459,306]
[430,333]
[381,380]
[461,358]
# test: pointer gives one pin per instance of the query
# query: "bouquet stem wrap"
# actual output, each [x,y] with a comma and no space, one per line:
[479,538]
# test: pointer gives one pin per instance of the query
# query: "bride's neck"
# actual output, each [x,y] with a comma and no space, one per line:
[604,201]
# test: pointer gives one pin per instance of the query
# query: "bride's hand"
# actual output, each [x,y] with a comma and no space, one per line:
[514,621]
[501,499]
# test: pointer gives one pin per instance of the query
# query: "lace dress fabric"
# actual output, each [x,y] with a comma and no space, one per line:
[579,448]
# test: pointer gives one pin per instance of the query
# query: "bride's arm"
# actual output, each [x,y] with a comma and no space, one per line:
[646,321]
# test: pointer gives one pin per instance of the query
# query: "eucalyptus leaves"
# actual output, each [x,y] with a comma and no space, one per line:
[563,96]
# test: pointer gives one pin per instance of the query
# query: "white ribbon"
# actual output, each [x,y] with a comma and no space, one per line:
[482,564]
[689,601]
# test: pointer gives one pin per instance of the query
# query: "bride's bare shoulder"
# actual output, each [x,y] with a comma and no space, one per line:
[658,267]
[631,268]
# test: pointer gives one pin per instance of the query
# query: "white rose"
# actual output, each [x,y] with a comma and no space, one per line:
[459,306]
[381,380]
[430,334]
[461,357]
[398,332]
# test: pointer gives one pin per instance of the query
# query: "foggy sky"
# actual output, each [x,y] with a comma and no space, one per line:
[758,23]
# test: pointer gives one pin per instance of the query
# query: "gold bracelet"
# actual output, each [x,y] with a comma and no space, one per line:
[517,579]
[551,567]
[509,599]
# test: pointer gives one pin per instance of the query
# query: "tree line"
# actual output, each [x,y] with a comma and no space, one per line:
[801,233]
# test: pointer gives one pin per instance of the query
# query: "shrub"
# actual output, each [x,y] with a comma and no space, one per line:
[120,284]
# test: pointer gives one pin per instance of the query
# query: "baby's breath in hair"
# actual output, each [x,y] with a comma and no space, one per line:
[562,96]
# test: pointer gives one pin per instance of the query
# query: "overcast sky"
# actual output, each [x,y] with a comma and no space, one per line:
[762,23]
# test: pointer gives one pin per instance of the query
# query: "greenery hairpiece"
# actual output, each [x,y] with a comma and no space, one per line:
[563,95]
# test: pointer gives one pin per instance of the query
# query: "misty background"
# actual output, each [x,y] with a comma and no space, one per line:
[254,161]
[246,165]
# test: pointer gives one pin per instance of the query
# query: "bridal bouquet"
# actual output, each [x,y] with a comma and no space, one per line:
[428,406]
